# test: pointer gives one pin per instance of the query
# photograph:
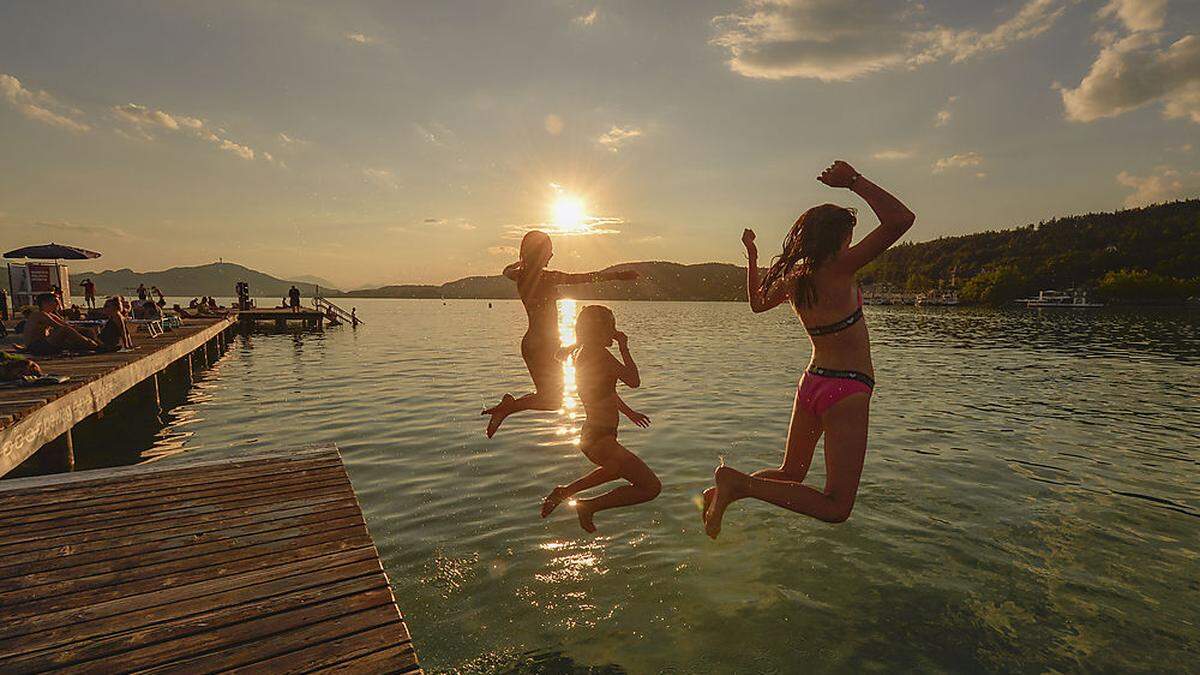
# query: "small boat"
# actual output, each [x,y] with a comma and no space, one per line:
[1071,299]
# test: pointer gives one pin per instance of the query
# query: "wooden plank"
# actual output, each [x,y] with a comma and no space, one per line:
[18,490]
[27,433]
[157,605]
[213,498]
[91,497]
[261,566]
[401,657]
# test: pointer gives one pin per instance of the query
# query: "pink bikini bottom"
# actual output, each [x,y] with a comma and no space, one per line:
[820,388]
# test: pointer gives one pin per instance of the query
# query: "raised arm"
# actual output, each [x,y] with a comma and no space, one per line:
[565,279]
[512,270]
[627,370]
[894,217]
[759,301]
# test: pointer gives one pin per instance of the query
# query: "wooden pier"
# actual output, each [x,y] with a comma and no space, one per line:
[32,417]
[307,317]
[259,564]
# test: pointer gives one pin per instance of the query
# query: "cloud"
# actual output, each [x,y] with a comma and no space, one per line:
[361,39]
[1133,72]
[72,229]
[41,106]
[292,141]
[1137,15]
[554,124]
[960,161]
[148,122]
[459,223]
[892,155]
[1163,184]
[382,178]
[436,133]
[510,251]
[943,116]
[833,40]
[587,19]
[591,225]
[617,136]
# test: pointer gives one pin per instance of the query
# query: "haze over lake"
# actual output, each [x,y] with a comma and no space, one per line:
[1030,499]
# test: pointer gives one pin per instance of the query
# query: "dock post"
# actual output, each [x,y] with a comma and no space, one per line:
[157,396]
[188,358]
[58,455]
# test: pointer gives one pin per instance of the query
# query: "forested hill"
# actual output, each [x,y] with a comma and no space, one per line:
[1146,254]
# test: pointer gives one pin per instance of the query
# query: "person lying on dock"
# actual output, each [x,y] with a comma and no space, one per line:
[48,334]
[597,372]
[115,333]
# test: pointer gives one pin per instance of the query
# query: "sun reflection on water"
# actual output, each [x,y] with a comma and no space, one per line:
[571,404]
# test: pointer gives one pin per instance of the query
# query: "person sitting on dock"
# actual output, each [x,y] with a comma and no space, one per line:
[114,334]
[294,299]
[162,302]
[14,367]
[47,334]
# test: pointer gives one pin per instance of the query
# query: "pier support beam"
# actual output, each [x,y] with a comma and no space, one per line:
[58,455]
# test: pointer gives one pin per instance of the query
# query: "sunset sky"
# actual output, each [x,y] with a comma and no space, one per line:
[391,142]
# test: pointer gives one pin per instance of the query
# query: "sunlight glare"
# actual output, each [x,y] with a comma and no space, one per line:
[569,213]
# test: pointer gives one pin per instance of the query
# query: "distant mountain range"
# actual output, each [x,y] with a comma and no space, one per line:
[1138,255]
[215,279]
[656,281]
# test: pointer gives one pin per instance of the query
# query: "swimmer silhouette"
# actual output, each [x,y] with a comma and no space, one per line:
[816,273]
[538,288]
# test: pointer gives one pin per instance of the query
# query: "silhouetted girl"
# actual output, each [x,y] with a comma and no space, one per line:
[538,288]
[596,374]
[816,273]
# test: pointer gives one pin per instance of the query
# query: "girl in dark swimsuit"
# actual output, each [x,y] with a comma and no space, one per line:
[541,348]
[815,273]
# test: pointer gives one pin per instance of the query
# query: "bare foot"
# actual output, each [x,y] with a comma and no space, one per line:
[725,493]
[585,516]
[708,497]
[498,413]
[554,499]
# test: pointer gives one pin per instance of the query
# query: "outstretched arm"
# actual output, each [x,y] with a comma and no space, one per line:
[588,277]
[627,370]
[759,301]
[634,416]
[894,217]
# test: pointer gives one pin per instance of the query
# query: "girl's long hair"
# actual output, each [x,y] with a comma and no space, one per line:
[532,258]
[815,237]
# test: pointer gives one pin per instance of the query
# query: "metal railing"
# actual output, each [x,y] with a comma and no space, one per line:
[325,305]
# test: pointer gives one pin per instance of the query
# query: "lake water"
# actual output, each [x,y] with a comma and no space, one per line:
[1030,501]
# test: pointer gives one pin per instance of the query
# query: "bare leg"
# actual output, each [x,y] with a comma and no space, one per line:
[598,476]
[509,405]
[845,427]
[643,487]
[803,432]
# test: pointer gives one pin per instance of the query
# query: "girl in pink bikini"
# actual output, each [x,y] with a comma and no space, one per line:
[815,272]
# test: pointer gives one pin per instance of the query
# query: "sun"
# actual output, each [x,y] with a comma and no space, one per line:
[569,214]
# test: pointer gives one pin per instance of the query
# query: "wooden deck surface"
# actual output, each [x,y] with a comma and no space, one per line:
[30,417]
[260,565]
[275,313]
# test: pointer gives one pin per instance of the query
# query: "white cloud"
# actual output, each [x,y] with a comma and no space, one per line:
[617,136]
[942,118]
[509,251]
[382,178]
[1133,72]
[554,124]
[1163,184]
[148,122]
[843,39]
[1137,15]
[960,161]
[292,141]
[587,19]
[361,39]
[892,155]
[41,106]
[436,133]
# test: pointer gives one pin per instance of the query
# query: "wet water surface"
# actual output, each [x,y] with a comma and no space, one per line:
[1031,499]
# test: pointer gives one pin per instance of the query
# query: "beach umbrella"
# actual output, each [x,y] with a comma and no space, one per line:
[52,251]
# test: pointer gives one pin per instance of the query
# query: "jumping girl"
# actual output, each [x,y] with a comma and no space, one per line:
[596,374]
[538,288]
[815,273]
